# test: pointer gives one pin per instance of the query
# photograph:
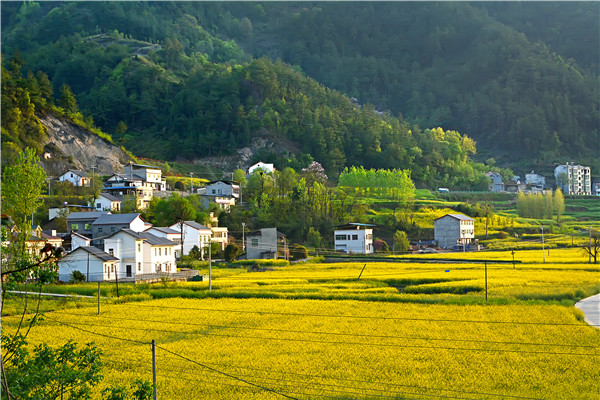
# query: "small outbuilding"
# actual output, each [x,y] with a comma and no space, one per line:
[453,229]
[354,238]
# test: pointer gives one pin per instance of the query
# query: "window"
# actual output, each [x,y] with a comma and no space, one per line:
[139,266]
[98,205]
[99,230]
[139,247]
[255,242]
[159,250]
[354,237]
[111,252]
[340,237]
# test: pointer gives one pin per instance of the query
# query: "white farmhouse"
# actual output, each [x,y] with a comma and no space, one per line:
[140,253]
[453,229]
[222,188]
[194,234]
[77,178]
[354,238]
[108,202]
[265,167]
[95,264]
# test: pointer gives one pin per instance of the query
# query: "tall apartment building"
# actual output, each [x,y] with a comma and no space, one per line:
[574,179]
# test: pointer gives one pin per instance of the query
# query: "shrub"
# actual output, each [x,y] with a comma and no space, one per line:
[231,252]
[77,276]
[298,252]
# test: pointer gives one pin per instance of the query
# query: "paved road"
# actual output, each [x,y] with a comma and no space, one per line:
[591,309]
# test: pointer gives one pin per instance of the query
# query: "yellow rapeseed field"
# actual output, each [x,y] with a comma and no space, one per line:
[314,349]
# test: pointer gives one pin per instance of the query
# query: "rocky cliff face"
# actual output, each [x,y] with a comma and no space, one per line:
[69,146]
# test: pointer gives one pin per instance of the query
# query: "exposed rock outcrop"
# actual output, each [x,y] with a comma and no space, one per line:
[68,146]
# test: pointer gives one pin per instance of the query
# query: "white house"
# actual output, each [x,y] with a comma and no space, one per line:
[354,238]
[222,188]
[194,234]
[220,234]
[269,168]
[140,253]
[574,179]
[453,229]
[95,264]
[150,175]
[224,202]
[167,233]
[266,243]
[108,202]
[107,224]
[77,178]
[78,240]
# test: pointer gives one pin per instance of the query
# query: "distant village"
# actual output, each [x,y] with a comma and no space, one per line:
[571,179]
[104,244]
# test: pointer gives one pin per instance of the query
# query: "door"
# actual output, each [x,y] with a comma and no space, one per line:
[128,270]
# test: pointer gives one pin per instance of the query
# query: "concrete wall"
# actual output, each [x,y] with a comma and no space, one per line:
[266,241]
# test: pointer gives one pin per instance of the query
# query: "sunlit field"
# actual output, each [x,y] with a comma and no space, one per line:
[422,328]
[431,278]
[311,349]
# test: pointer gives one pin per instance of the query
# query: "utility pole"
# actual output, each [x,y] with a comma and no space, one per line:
[210,264]
[543,252]
[243,236]
[590,248]
[88,268]
[154,368]
[191,183]
[117,279]
[98,297]
[513,254]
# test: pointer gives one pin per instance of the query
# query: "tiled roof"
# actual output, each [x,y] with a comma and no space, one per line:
[148,237]
[457,216]
[85,215]
[113,219]
[104,256]
[110,197]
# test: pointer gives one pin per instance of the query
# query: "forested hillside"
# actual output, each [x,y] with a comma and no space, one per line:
[182,80]
[521,78]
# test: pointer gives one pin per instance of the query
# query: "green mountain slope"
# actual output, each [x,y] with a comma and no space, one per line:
[454,65]
[166,80]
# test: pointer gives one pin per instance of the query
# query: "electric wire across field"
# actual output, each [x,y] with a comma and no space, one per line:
[236,377]
[366,316]
[369,336]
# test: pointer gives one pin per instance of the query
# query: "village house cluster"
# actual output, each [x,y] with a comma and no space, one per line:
[570,178]
[104,244]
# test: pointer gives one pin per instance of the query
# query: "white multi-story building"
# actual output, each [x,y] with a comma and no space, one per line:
[453,229]
[354,238]
[151,176]
[574,179]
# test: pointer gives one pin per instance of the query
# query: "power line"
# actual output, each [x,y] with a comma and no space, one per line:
[363,316]
[348,343]
[224,373]
[352,380]
[329,333]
